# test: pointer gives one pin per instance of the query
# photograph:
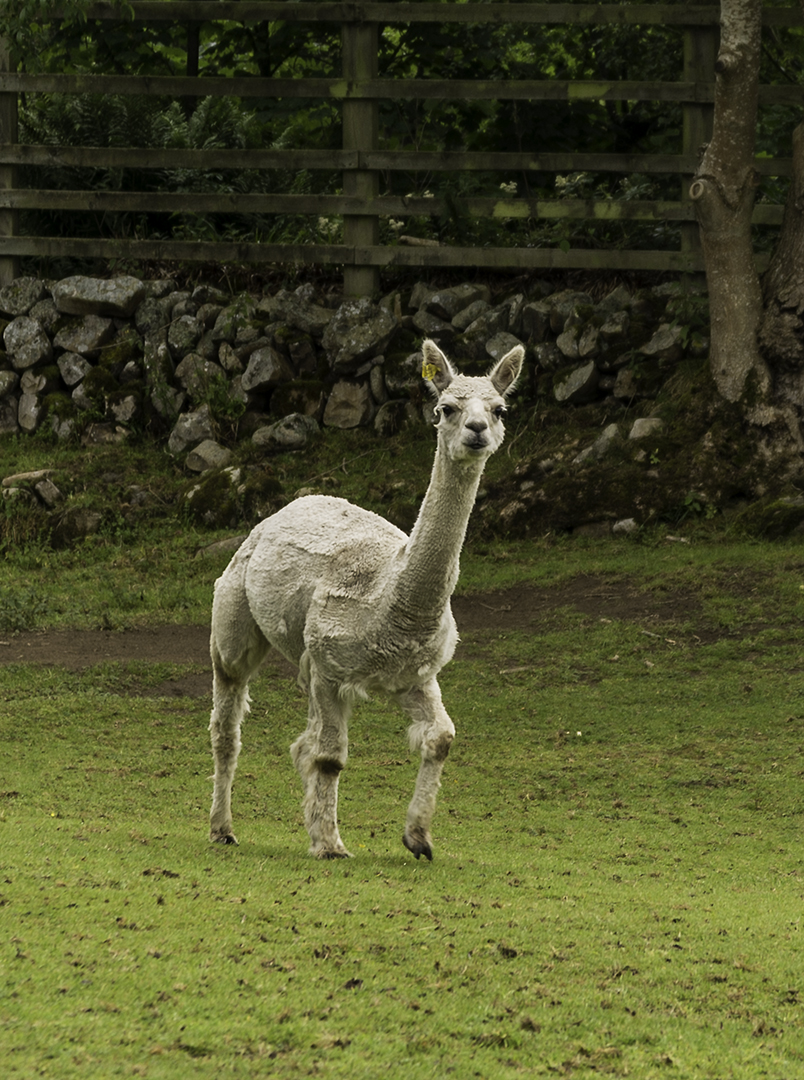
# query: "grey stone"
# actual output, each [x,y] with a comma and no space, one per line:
[645,427]
[568,341]
[81,399]
[466,316]
[20,295]
[402,376]
[26,343]
[665,345]
[500,344]
[86,336]
[119,297]
[394,415]
[616,300]
[445,304]
[515,308]
[125,409]
[419,296]
[196,375]
[489,324]
[563,304]
[9,411]
[535,320]
[132,372]
[614,330]
[599,448]
[30,412]
[297,312]
[184,334]
[579,387]
[207,314]
[73,367]
[208,455]
[48,493]
[266,369]
[46,314]
[549,356]
[233,319]
[9,381]
[432,326]
[190,430]
[377,385]
[349,405]
[229,360]
[588,342]
[625,527]
[104,434]
[358,331]
[292,432]
[153,318]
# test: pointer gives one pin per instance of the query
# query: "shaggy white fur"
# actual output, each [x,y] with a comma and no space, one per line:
[357,606]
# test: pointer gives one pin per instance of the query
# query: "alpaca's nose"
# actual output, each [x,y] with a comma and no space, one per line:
[476,425]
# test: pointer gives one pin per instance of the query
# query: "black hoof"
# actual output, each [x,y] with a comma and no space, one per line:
[418,848]
[223,838]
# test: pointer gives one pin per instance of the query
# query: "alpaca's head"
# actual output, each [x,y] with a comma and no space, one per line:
[470,410]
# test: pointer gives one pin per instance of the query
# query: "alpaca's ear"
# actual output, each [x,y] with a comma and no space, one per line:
[505,372]
[436,369]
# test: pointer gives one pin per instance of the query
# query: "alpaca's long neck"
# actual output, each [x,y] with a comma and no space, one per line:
[430,566]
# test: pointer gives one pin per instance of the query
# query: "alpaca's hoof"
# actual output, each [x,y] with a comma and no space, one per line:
[339,852]
[418,847]
[223,838]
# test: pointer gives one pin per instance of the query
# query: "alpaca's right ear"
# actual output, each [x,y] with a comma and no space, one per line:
[437,371]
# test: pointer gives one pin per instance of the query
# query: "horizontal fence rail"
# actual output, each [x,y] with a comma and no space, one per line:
[357,89]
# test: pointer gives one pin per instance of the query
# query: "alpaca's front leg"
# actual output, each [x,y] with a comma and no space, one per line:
[432,733]
[320,754]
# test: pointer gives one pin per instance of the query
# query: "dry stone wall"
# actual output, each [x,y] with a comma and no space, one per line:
[99,359]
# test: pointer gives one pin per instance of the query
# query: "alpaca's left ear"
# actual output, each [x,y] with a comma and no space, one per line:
[505,372]
[436,369]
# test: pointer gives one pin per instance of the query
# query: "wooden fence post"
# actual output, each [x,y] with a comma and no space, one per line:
[9,264]
[360,132]
[700,53]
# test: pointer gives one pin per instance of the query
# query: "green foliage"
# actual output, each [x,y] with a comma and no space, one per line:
[21,609]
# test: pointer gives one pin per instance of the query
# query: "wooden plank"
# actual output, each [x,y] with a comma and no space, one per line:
[143,158]
[339,255]
[510,209]
[388,12]
[360,44]
[173,86]
[383,160]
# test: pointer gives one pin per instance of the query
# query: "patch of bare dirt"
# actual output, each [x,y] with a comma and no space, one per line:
[525,607]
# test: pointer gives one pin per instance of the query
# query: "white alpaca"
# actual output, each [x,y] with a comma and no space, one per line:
[357,606]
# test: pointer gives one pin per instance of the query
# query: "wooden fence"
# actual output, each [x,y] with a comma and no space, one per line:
[358,89]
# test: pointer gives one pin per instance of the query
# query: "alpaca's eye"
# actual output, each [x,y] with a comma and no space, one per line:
[500,412]
[447,410]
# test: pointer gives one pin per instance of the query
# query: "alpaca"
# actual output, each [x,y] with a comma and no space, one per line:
[357,606]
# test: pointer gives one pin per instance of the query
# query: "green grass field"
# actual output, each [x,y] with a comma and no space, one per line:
[618,881]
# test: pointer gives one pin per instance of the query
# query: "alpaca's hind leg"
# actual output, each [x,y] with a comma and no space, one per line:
[320,754]
[237,648]
[432,733]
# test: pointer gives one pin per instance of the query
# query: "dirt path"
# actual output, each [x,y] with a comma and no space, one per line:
[524,607]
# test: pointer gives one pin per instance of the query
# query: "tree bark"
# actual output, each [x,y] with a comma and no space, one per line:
[723,194]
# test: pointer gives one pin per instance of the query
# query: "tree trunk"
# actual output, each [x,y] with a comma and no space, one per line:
[723,193]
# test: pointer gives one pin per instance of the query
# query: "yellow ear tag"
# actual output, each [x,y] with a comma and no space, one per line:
[429,371]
